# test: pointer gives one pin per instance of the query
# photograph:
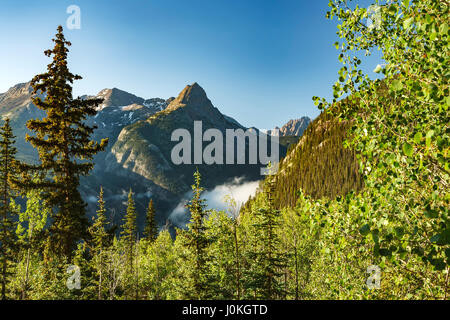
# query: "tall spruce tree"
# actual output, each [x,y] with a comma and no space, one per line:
[197,241]
[265,254]
[65,150]
[8,186]
[100,237]
[151,229]
[129,234]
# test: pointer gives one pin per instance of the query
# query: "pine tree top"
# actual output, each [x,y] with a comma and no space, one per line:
[129,232]
[151,228]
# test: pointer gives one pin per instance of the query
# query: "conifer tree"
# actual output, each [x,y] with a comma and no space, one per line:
[265,254]
[151,229]
[100,239]
[8,186]
[62,140]
[129,237]
[196,240]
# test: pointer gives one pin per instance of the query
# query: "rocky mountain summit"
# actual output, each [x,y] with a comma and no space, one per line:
[294,127]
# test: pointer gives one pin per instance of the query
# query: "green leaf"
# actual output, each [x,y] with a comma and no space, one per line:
[407,23]
[418,137]
[430,133]
[408,149]
[377,69]
[438,264]
[399,231]
[430,213]
[375,236]
[364,230]
[443,29]
[392,9]
[397,85]
[435,238]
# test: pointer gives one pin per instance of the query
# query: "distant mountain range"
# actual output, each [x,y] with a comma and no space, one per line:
[294,127]
[138,153]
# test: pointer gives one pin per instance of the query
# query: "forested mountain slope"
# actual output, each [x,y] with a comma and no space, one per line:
[319,164]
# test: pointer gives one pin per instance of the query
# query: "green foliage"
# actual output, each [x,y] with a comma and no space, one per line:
[33,220]
[29,232]
[225,257]
[300,246]
[158,268]
[405,205]
[129,240]
[264,255]
[129,232]
[100,241]
[319,164]
[195,243]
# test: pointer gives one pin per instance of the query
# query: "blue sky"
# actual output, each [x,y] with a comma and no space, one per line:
[258,61]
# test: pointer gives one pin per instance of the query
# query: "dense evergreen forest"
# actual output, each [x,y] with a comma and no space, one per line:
[357,210]
[319,164]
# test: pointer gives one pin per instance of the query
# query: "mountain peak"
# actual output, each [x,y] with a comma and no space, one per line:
[117,97]
[19,89]
[293,127]
[193,93]
[18,96]
[112,91]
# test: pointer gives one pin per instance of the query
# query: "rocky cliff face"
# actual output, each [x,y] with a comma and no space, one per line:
[294,127]
[17,106]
